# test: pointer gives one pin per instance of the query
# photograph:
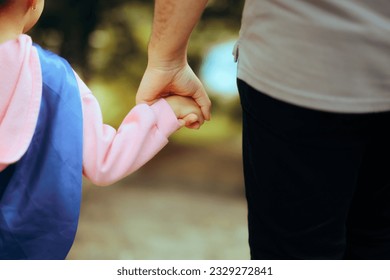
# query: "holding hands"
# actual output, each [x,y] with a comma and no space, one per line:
[168,74]
[181,89]
[186,110]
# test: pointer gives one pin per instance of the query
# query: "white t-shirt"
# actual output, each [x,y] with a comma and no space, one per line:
[331,55]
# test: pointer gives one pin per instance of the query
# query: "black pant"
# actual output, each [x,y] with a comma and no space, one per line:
[317,183]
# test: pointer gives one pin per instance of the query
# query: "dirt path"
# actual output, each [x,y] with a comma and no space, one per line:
[185,204]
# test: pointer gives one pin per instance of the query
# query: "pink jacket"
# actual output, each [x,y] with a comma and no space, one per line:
[108,154]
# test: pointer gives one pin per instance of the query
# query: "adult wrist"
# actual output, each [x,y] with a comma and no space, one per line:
[166,59]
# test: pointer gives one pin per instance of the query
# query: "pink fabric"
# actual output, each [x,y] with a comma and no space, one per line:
[20,97]
[108,155]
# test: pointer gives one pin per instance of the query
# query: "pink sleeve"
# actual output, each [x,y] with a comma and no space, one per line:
[110,155]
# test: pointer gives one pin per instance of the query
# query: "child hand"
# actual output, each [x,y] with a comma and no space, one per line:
[187,111]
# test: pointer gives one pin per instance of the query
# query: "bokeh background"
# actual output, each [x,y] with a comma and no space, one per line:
[188,202]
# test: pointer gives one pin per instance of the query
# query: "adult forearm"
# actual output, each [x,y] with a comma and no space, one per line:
[173,23]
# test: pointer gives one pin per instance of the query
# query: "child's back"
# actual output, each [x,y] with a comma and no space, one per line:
[41,194]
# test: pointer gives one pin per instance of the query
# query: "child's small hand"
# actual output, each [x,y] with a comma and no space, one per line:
[187,111]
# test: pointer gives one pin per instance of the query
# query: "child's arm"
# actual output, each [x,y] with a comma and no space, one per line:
[110,155]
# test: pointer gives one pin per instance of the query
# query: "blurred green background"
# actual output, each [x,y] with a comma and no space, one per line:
[188,202]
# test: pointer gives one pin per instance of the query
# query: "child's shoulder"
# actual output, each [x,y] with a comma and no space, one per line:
[51,58]
[56,70]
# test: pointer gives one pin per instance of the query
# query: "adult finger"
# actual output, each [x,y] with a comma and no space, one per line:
[203,100]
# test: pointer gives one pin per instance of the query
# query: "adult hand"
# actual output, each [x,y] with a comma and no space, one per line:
[161,81]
